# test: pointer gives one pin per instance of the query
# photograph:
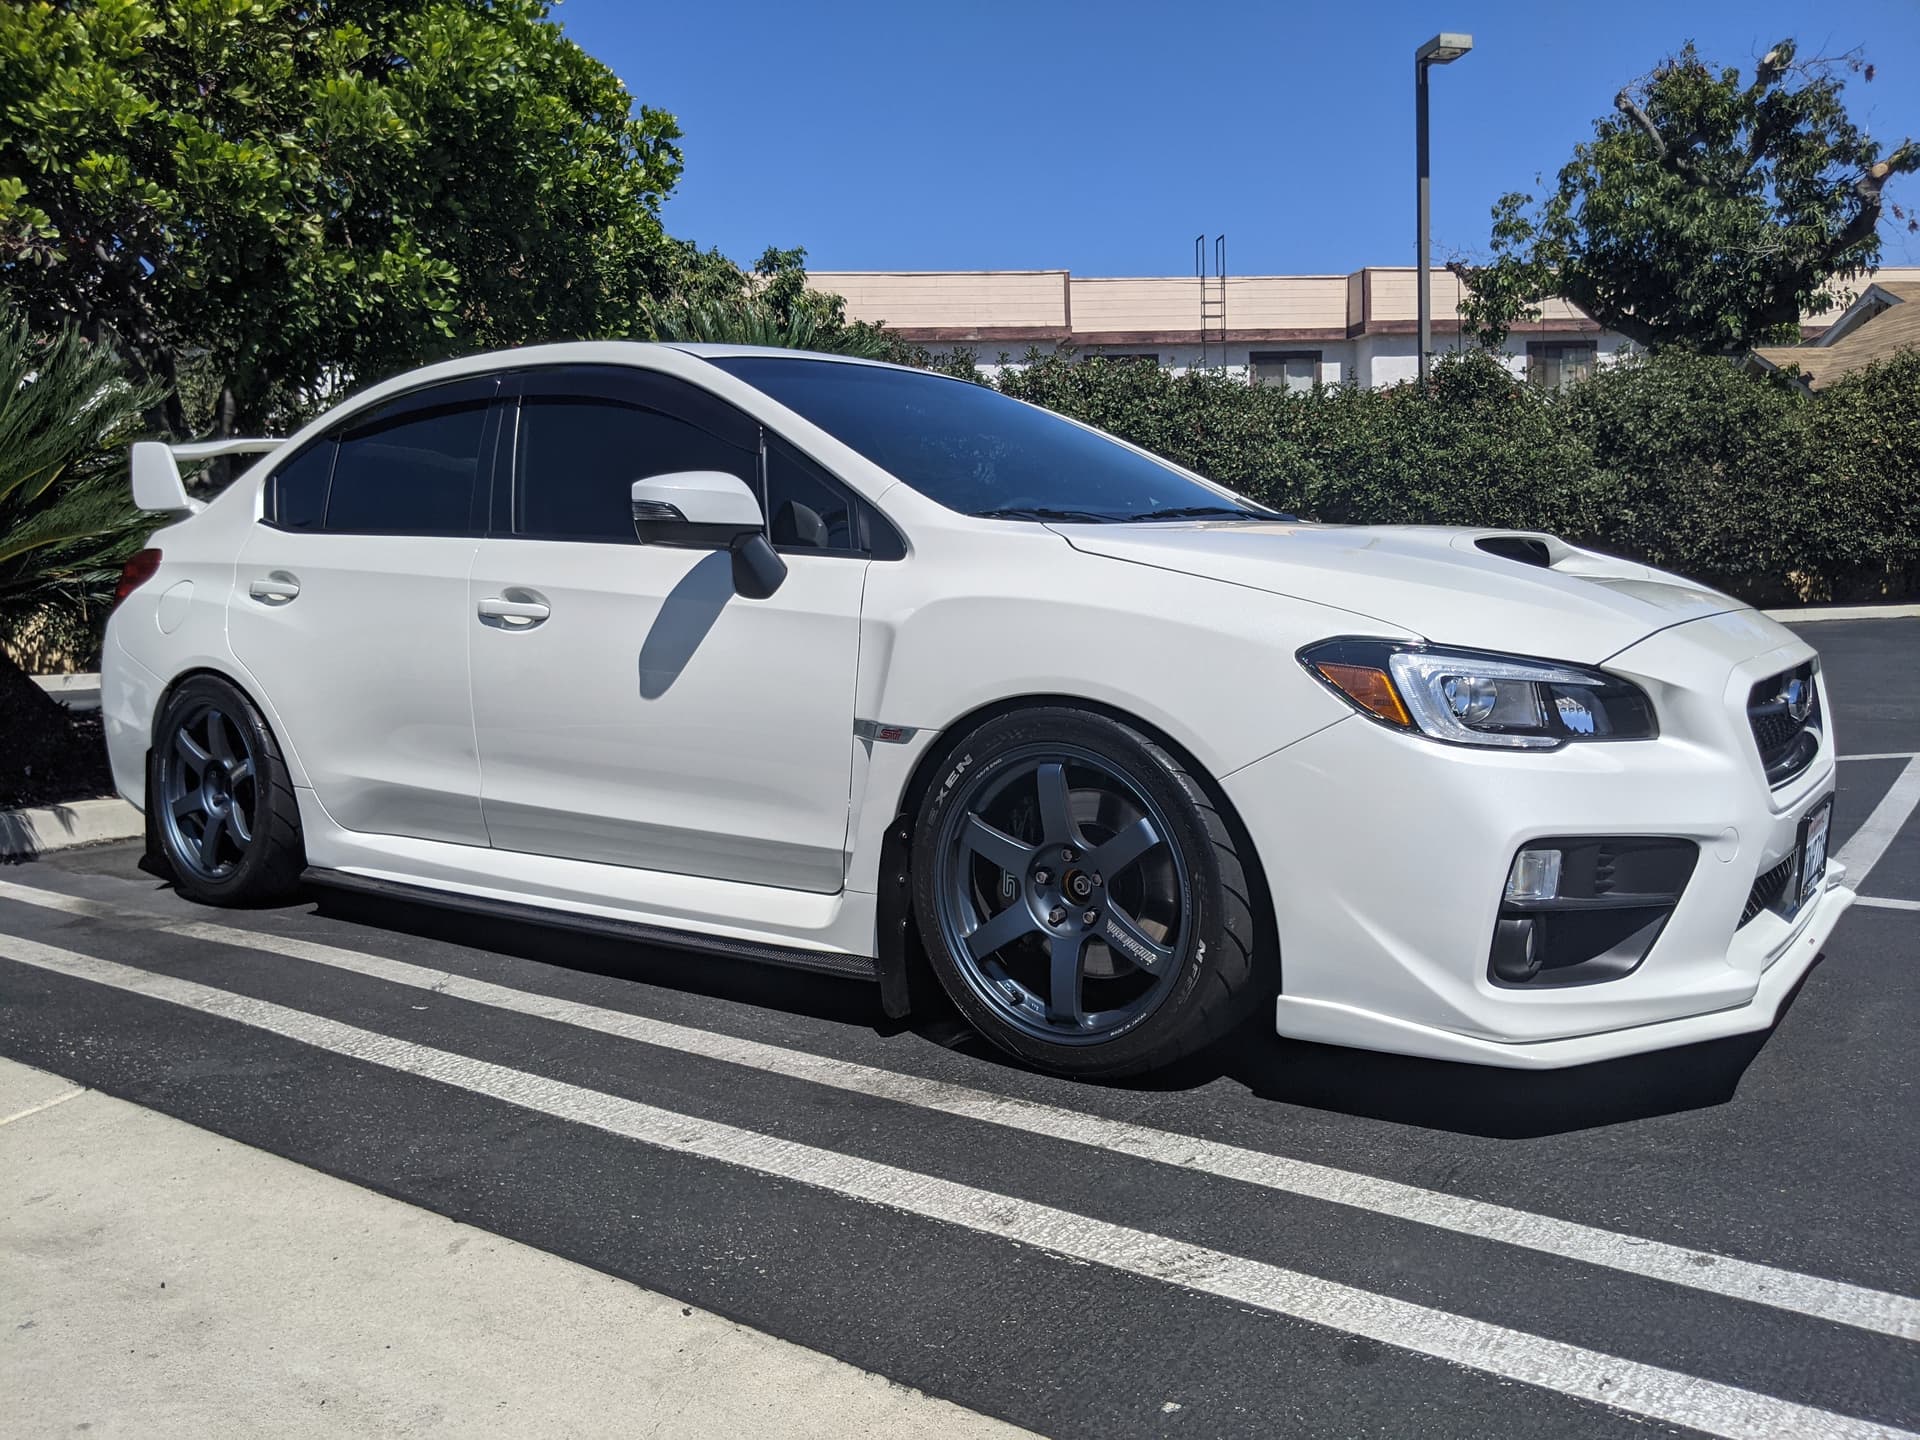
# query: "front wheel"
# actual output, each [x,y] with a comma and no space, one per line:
[1082,900]
[222,805]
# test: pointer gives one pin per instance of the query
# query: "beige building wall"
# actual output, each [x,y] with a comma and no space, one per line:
[951,299]
[1105,306]
[1286,302]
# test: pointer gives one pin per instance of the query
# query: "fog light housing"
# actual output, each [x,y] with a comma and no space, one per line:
[1578,910]
[1535,875]
[1516,949]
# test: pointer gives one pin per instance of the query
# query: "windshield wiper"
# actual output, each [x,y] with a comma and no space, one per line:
[1037,512]
[1195,512]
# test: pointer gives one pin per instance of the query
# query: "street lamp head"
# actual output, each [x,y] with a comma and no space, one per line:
[1443,49]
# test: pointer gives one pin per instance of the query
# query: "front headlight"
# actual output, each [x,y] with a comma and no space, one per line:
[1469,698]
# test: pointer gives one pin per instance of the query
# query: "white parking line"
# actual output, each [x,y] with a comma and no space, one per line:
[1884,903]
[1590,1375]
[1889,755]
[1863,851]
[1834,1300]
[73,1094]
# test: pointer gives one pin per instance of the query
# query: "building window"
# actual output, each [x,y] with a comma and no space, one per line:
[1289,369]
[1556,364]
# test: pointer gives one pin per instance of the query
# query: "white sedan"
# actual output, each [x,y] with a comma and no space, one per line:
[858,668]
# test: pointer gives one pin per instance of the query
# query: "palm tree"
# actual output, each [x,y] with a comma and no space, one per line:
[67,520]
[757,320]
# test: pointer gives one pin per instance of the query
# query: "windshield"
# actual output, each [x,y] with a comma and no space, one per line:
[975,450]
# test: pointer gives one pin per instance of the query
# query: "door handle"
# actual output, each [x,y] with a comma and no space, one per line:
[514,609]
[275,588]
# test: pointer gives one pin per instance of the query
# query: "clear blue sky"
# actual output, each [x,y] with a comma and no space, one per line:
[1102,137]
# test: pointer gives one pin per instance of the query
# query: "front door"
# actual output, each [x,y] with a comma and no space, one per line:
[629,707]
[350,606]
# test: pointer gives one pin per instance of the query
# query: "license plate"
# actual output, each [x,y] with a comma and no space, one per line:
[1812,852]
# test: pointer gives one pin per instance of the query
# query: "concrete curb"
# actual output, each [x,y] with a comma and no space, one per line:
[27,833]
[76,692]
[1808,613]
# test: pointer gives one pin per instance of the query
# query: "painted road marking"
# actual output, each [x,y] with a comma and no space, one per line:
[1639,1389]
[1846,1304]
[73,1094]
[1885,904]
[1890,755]
[1863,851]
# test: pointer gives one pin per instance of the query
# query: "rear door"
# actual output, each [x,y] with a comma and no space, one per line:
[350,610]
[632,709]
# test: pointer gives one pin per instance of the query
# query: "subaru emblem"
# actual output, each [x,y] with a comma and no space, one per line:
[1799,698]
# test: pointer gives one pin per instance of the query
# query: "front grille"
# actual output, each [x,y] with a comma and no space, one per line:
[1787,742]
[1768,889]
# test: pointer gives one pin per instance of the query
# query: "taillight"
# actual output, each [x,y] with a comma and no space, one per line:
[138,570]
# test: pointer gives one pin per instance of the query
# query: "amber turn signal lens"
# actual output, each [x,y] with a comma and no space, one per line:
[1372,690]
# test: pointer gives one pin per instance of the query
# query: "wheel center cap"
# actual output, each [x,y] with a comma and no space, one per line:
[1078,884]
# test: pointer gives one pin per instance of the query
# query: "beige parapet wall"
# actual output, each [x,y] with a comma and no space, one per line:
[936,305]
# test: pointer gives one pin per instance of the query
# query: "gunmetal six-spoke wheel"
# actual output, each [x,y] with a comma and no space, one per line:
[1063,896]
[209,791]
[221,807]
[1079,895]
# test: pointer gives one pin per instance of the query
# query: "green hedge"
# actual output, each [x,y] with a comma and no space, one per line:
[1680,460]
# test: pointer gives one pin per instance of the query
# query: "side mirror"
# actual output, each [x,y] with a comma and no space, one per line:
[710,510]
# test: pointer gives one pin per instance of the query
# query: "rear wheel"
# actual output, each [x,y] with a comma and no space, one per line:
[224,814]
[1082,900]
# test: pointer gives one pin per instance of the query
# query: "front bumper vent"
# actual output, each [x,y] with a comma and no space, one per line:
[1768,890]
[1784,713]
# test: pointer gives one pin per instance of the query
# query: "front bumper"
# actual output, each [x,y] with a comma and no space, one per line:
[1386,855]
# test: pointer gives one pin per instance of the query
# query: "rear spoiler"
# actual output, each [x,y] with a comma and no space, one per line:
[156,470]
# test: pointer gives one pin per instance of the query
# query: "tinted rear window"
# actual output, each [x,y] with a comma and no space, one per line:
[411,475]
[297,498]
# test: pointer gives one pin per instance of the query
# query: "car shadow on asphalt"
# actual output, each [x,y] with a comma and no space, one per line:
[1428,1094]
[801,992]
[1475,1099]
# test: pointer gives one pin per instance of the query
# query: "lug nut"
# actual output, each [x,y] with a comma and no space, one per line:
[1066,857]
[1090,918]
[1056,916]
[1096,879]
[1040,877]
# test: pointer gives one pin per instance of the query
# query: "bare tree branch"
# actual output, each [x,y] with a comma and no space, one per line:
[1626,105]
[1868,187]
[1672,159]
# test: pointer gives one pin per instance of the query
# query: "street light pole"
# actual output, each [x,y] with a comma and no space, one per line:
[1440,50]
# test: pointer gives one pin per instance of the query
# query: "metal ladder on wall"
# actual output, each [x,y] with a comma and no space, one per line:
[1213,295]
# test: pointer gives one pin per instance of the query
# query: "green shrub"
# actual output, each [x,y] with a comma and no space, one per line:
[1681,460]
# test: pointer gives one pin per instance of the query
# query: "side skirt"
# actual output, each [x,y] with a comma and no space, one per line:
[826,962]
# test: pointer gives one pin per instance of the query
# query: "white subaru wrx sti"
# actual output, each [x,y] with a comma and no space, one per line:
[859,668]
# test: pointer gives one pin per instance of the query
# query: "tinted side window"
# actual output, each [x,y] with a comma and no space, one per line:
[412,474]
[805,509]
[579,456]
[297,494]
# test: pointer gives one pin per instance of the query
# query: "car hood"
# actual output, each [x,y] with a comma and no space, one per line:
[1517,591]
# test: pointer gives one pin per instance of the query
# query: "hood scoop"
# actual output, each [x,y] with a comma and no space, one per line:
[1524,548]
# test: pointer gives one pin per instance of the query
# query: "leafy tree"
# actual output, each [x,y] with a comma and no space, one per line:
[295,195]
[67,522]
[1705,211]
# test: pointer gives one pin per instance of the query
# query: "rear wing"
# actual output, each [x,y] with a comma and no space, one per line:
[156,470]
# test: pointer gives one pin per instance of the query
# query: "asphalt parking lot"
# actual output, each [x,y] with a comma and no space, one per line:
[1284,1239]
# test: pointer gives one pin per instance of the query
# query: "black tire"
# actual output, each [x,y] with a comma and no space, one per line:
[259,805]
[1195,980]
